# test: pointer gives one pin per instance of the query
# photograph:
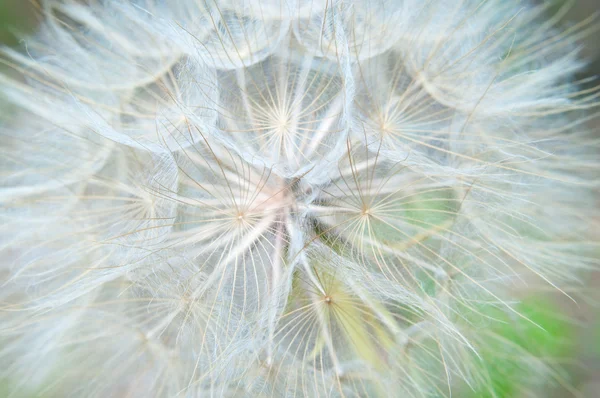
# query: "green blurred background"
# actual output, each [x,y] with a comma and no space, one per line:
[572,330]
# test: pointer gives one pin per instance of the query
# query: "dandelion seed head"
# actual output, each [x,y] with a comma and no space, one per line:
[287,198]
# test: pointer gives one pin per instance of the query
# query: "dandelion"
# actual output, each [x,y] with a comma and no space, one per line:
[288,198]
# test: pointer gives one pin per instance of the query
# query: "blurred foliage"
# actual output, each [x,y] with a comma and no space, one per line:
[542,332]
[17,18]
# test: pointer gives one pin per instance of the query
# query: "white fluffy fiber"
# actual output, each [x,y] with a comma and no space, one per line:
[285,197]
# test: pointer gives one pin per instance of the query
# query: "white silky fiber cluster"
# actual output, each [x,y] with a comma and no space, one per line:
[286,198]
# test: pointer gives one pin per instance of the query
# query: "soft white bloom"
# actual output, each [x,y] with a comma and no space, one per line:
[285,197]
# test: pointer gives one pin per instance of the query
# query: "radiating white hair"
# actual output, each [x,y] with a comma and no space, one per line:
[285,197]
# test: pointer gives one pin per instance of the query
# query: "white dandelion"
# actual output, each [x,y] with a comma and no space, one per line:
[288,198]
